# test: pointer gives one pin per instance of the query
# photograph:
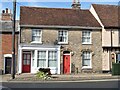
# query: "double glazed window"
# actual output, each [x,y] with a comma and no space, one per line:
[86,59]
[63,37]
[47,59]
[86,37]
[36,35]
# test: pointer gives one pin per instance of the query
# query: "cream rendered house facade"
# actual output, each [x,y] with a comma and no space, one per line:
[108,17]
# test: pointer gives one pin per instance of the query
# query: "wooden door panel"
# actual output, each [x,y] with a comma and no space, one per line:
[26,63]
[66,64]
[8,61]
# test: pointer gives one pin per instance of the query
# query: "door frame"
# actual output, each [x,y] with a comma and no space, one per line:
[70,61]
[6,55]
[30,59]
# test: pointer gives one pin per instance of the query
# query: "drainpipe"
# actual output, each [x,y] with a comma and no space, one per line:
[111,50]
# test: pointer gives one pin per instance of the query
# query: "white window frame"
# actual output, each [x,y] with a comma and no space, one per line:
[87,37]
[66,38]
[87,67]
[39,35]
[52,58]
[44,58]
[47,58]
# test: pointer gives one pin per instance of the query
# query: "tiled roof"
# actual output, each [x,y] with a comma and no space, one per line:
[57,17]
[108,14]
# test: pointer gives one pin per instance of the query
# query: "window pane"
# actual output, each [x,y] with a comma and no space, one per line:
[62,36]
[86,58]
[28,62]
[86,63]
[118,58]
[52,59]
[24,62]
[86,37]
[41,61]
[36,35]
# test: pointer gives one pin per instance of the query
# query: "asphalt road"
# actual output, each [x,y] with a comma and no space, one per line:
[89,84]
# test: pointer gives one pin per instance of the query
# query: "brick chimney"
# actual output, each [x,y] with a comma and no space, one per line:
[6,15]
[75,4]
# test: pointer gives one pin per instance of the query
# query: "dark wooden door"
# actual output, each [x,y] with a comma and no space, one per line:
[8,61]
[26,63]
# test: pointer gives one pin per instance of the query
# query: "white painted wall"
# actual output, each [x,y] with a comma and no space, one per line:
[106,34]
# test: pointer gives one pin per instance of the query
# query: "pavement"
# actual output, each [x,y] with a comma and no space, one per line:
[28,77]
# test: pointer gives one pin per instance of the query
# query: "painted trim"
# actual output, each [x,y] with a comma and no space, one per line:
[95,14]
[85,36]
[6,55]
[40,42]
[88,67]
[67,37]
[36,49]
[53,26]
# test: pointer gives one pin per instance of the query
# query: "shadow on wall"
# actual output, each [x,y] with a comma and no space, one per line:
[73,68]
[61,68]
[1,72]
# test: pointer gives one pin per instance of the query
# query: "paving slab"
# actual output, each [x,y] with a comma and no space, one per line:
[72,77]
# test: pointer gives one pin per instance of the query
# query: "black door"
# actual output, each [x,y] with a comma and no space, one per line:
[8,65]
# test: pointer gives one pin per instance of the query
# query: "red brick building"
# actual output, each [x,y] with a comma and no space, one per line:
[6,29]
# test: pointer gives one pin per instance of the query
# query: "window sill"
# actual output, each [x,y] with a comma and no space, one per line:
[36,42]
[62,42]
[86,43]
[86,67]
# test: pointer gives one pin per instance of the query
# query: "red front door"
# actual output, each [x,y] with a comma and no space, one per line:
[26,62]
[66,64]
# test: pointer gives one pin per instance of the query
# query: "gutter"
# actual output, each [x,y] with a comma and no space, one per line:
[53,26]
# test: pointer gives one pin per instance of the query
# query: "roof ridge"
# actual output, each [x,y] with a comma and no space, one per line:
[46,7]
[105,5]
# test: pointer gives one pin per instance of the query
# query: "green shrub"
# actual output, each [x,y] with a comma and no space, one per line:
[42,75]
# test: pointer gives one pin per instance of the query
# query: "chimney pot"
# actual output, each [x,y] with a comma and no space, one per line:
[6,10]
[3,11]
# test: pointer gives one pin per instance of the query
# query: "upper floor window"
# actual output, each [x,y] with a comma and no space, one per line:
[62,37]
[86,37]
[86,59]
[36,35]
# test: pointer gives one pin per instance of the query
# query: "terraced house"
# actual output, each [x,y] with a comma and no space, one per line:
[108,16]
[64,40]
[6,28]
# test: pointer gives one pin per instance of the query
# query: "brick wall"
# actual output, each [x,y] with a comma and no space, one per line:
[6,46]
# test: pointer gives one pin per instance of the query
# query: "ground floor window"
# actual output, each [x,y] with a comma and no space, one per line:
[47,59]
[118,58]
[52,59]
[86,59]
[41,59]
